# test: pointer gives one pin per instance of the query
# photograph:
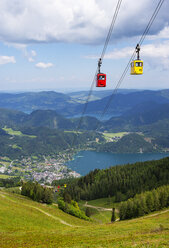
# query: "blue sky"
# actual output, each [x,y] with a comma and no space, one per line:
[55,44]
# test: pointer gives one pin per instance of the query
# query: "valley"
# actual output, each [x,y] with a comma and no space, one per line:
[30,224]
[84,162]
[39,144]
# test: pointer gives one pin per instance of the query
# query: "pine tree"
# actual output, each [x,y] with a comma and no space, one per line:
[156,200]
[88,212]
[113,218]
[67,197]
[150,201]
[122,210]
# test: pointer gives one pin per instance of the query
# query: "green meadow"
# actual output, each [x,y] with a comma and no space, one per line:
[17,133]
[25,223]
[5,176]
[66,131]
[109,136]
[102,202]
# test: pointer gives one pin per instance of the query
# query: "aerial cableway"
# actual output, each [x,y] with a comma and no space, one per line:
[134,70]
[157,9]
[97,70]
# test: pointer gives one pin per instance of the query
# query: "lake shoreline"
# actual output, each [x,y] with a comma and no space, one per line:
[84,161]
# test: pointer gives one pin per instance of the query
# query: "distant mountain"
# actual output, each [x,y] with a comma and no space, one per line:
[121,103]
[148,113]
[72,104]
[145,113]
[142,114]
[11,117]
[81,96]
[28,102]
[136,108]
[87,123]
[45,118]
[38,118]
[131,143]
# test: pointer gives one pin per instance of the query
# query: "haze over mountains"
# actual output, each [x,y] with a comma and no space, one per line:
[72,104]
[49,109]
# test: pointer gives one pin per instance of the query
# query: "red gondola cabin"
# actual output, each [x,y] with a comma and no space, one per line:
[101,80]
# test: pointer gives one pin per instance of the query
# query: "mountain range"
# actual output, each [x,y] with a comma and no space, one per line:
[141,115]
[72,104]
[146,118]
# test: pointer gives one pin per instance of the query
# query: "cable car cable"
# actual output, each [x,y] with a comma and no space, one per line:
[159,5]
[102,56]
[111,29]
[86,104]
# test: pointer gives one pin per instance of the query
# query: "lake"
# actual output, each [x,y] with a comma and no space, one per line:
[85,161]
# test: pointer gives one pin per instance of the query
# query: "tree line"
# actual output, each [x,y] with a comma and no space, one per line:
[145,203]
[37,192]
[10,182]
[121,182]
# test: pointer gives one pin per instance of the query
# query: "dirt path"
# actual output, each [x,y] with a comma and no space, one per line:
[50,215]
[152,215]
[110,209]
[148,216]
[2,194]
[98,208]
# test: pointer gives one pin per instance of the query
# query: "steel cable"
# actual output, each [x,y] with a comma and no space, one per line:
[159,5]
[102,56]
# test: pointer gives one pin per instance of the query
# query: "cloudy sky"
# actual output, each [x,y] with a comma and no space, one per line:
[55,44]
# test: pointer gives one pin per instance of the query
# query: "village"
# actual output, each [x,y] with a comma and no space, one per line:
[43,170]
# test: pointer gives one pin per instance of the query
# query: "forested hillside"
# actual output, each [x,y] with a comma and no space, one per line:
[131,143]
[145,203]
[41,141]
[122,182]
[45,118]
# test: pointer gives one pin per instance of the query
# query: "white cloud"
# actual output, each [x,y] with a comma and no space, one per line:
[44,65]
[28,21]
[7,59]
[163,34]
[24,49]
[30,55]
[153,54]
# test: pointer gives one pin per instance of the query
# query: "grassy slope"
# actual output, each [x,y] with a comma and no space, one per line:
[24,223]
[102,202]
[5,176]
[17,133]
[109,136]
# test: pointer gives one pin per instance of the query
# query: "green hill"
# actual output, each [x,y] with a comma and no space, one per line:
[24,223]
[40,141]
[121,182]
[30,101]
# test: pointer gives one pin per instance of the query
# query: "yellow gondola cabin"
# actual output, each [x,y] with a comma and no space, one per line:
[137,65]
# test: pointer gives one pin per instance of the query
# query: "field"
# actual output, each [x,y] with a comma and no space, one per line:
[111,136]
[5,176]
[72,132]
[103,202]
[17,133]
[101,209]
[24,223]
